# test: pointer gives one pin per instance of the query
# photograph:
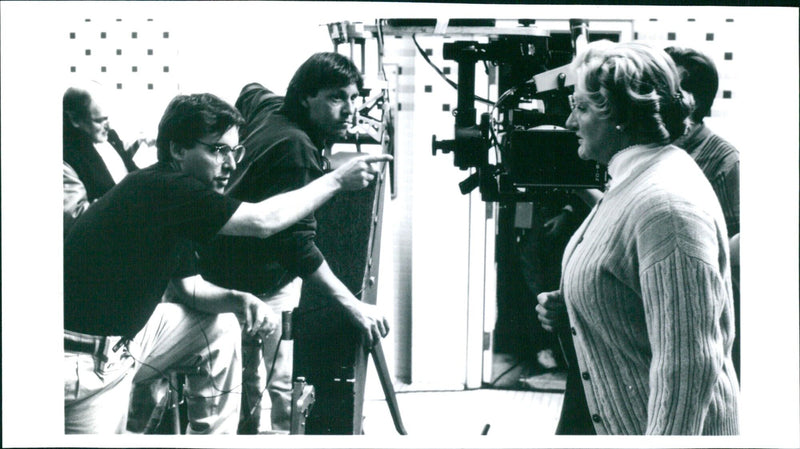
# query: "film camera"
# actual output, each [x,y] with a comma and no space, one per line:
[533,152]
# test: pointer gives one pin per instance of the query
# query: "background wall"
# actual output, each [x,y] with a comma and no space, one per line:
[220,46]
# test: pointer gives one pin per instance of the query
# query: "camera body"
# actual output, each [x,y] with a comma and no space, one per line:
[533,150]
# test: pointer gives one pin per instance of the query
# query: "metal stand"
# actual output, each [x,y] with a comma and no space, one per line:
[302,400]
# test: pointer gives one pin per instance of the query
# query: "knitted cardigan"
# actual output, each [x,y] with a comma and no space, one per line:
[646,281]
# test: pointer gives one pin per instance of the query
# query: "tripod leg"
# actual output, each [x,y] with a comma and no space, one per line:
[388,388]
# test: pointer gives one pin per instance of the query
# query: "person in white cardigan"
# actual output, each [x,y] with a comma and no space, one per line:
[646,281]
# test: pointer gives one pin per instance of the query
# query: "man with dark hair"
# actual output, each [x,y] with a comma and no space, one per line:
[137,241]
[94,156]
[718,159]
[288,140]
[698,77]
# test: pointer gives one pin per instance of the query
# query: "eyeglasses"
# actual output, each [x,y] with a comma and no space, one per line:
[573,103]
[579,103]
[222,151]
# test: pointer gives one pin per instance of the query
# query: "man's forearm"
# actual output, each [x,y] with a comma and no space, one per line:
[253,315]
[199,294]
[281,211]
[330,285]
[277,213]
[366,317]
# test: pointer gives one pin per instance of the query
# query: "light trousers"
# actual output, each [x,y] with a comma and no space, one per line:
[96,400]
[275,398]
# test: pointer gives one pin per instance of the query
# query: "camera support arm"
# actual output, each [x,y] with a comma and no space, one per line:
[471,143]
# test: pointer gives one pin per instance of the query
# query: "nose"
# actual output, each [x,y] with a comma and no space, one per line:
[349,108]
[571,123]
[229,160]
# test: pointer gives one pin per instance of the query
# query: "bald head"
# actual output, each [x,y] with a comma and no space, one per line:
[83,112]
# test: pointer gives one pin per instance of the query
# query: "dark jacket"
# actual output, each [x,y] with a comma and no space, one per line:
[281,156]
[80,154]
[86,177]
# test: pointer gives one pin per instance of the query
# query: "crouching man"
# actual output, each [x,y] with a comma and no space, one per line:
[138,241]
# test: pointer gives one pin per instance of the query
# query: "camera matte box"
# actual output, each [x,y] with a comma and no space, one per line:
[549,158]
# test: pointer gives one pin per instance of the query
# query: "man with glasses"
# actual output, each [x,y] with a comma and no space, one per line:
[94,156]
[286,140]
[137,241]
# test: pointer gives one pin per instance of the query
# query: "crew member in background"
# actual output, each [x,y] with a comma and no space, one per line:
[541,230]
[94,156]
[138,241]
[718,159]
[286,139]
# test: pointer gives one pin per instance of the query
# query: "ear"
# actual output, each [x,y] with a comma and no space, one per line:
[304,102]
[177,152]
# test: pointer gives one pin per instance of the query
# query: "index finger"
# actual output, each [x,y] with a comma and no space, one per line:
[378,158]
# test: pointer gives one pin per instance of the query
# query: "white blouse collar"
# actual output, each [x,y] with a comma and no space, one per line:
[625,161]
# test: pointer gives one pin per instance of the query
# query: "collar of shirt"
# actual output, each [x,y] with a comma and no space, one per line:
[694,138]
[112,159]
[625,161]
[317,138]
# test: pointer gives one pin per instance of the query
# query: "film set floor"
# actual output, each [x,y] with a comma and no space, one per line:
[521,401]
